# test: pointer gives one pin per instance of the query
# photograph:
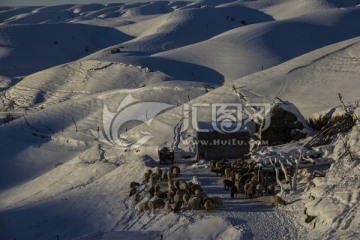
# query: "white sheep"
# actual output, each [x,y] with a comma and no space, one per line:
[169,175]
[143,206]
[185,199]
[208,205]
[259,189]
[183,186]
[177,198]
[168,208]
[277,200]
[227,172]
[194,203]
[217,201]
[201,195]
[195,180]
[156,203]
[250,189]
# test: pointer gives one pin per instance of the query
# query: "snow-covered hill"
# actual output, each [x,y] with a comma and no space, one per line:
[66,70]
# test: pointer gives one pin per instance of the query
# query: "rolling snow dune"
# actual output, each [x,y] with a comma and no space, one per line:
[26,49]
[318,80]
[245,50]
[80,78]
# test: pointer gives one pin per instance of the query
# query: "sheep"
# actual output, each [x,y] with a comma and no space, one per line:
[212,164]
[227,172]
[134,185]
[172,189]
[208,205]
[201,195]
[175,171]
[177,198]
[185,199]
[271,189]
[245,177]
[197,192]
[177,206]
[169,175]
[250,189]
[205,199]
[156,203]
[170,182]
[220,171]
[151,191]
[183,186]
[177,184]
[228,184]
[137,197]
[143,206]
[239,173]
[259,189]
[233,191]
[154,177]
[195,187]
[164,176]
[162,195]
[152,181]
[194,203]
[157,187]
[167,208]
[132,191]
[170,195]
[276,201]
[158,171]
[232,177]
[182,192]
[218,164]
[238,185]
[217,202]
[146,177]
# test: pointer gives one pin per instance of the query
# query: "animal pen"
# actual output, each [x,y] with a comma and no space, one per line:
[215,145]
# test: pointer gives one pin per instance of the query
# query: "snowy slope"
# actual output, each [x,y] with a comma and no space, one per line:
[28,48]
[58,180]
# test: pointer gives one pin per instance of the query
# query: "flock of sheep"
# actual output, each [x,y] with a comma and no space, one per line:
[178,194]
[241,177]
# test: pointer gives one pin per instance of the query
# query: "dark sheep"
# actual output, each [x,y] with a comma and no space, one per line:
[228,184]
[233,191]
[134,185]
